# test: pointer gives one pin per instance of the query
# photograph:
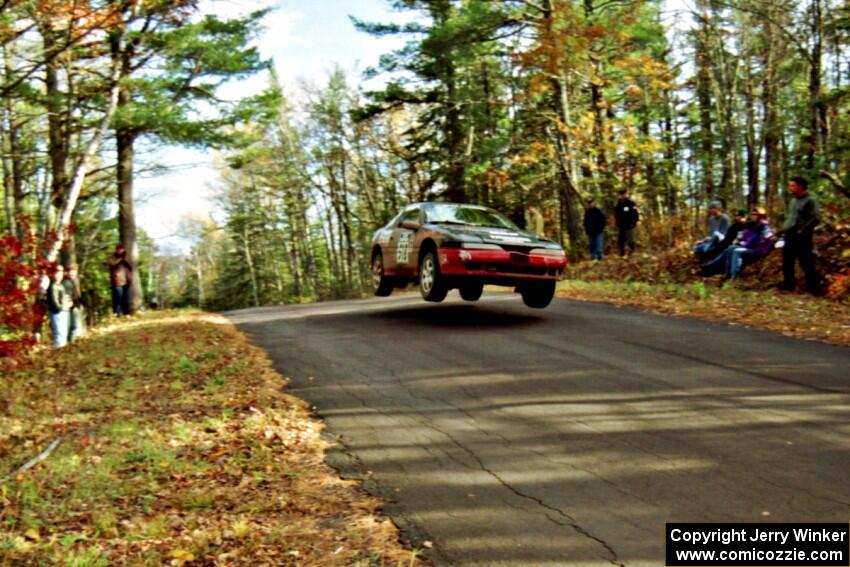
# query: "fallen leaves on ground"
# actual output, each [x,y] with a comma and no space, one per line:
[792,314]
[178,447]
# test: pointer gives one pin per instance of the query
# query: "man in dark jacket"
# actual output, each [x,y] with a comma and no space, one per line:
[594,226]
[626,215]
[798,231]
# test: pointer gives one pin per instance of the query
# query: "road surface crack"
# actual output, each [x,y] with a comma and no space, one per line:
[426,421]
[571,521]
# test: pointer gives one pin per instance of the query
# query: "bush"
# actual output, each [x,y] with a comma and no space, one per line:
[21,313]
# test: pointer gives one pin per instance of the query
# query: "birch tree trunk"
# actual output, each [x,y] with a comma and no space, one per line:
[69,202]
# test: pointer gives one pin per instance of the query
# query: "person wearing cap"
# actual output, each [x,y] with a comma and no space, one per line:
[594,226]
[626,216]
[718,223]
[798,232]
[755,241]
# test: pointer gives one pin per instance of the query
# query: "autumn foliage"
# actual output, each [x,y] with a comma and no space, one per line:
[21,267]
[176,446]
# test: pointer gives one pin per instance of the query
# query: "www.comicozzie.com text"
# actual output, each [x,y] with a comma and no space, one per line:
[726,536]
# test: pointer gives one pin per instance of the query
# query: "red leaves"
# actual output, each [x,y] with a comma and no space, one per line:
[21,268]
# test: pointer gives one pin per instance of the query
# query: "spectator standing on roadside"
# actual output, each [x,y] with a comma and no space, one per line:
[72,289]
[626,215]
[534,220]
[798,231]
[718,224]
[120,278]
[594,226]
[58,308]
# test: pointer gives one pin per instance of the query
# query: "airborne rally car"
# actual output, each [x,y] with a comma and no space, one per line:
[445,246]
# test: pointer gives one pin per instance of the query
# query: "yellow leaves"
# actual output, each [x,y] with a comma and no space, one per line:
[538,152]
[240,529]
[542,148]
[660,85]
[539,85]
[587,120]
[634,91]
[180,556]
[32,534]
[525,159]
[21,546]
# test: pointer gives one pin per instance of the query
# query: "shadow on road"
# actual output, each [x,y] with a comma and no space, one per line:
[457,316]
[567,436]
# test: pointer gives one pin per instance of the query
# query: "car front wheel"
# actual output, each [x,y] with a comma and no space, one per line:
[431,284]
[471,292]
[538,294]
[381,284]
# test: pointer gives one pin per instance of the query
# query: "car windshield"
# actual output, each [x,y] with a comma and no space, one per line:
[473,216]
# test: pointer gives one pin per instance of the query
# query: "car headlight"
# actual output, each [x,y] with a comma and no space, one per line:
[480,246]
[548,251]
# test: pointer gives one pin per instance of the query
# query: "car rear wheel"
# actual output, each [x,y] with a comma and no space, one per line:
[381,284]
[431,284]
[538,294]
[471,292]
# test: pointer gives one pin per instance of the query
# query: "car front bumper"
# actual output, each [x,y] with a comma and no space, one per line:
[500,266]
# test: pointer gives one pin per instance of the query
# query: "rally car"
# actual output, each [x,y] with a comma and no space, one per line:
[443,246]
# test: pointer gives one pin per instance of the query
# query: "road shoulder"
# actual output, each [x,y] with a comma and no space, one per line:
[793,315]
[172,442]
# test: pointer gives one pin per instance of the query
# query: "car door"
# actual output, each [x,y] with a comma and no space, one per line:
[403,241]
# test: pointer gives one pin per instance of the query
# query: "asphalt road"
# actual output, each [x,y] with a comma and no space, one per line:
[567,436]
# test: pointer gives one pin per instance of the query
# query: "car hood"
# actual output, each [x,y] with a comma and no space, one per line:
[493,235]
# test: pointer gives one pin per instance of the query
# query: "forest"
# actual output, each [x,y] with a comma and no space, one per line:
[499,103]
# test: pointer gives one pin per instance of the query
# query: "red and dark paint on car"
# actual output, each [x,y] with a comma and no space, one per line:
[444,246]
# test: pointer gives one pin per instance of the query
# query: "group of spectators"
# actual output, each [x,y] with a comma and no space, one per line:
[64,308]
[626,217]
[730,245]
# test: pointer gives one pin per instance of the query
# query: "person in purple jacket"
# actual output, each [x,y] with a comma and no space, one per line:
[754,242]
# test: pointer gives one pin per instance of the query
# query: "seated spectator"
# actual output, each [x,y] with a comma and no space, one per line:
[738,224]
[718,224]
[755,241]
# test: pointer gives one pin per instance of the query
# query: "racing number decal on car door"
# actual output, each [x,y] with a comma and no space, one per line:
[403,251]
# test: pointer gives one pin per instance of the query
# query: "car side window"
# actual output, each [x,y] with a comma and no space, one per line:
[410,215]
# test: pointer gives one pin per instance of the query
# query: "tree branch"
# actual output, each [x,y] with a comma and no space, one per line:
[843,189]
[34,461]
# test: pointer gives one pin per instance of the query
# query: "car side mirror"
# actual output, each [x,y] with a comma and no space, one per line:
[410,225]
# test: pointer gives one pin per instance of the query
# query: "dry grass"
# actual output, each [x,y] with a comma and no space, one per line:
[791,314]
[177,447]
